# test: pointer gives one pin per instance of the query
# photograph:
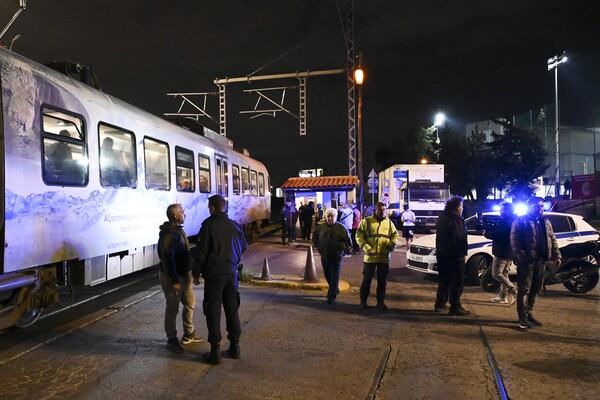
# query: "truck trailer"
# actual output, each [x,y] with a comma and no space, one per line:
[421,186]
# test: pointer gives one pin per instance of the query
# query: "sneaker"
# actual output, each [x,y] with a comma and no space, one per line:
[174,346]
[498,299]
[512,299]
[525,324]
[534,321]
[190,338]
[347,255]
[440,308]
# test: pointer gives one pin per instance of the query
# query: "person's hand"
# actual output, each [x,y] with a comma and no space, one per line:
[557,262]
[177,288]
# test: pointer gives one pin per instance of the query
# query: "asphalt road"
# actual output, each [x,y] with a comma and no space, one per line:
[296,346]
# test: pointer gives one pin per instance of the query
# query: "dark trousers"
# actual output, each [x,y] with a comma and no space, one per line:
[530,278]
[305,228]
[368,273]
[331,270]
[355,246]
[286,232]
[222,290]
[451,282]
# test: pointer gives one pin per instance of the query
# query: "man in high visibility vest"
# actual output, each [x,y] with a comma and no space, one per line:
[377,237]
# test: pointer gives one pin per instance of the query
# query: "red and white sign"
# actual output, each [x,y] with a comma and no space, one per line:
[385,199]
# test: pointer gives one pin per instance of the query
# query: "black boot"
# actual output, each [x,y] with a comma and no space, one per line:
[234,350]
[214,356]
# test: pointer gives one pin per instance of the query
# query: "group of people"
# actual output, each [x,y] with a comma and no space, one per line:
[529,240]
[221,243]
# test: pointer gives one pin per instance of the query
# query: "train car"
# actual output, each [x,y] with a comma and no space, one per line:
[86,180]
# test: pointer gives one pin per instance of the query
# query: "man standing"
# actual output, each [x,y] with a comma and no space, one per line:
[175,278]
[221,243]
[503,255]
[287,219]
[331,239]
[533,243]
[451,249]
[378,237]
[408,225]
[345,216]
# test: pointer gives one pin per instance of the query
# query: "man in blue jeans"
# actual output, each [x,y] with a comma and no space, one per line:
[175,278]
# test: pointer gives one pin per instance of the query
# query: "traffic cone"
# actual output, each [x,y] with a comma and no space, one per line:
[266,275]
[310,273]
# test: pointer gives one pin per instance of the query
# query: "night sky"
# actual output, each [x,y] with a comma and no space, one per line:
[470,59]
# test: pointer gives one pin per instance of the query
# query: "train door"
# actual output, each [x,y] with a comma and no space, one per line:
[222,176]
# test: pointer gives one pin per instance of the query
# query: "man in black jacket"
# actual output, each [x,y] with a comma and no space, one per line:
[176,278]
[503,254]
[451,250]
[534,243]
[221,243]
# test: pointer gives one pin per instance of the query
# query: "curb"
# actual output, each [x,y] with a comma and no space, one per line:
[294,282]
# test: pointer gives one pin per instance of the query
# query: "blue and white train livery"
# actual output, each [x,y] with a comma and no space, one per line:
[86,179]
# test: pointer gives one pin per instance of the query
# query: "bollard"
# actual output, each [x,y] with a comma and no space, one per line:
[310,273]
[266,275]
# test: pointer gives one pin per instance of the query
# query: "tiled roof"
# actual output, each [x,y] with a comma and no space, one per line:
[320,183]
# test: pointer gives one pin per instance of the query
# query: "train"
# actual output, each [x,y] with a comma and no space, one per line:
[86,179]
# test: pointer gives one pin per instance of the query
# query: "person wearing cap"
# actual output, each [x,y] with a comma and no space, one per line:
[533,243]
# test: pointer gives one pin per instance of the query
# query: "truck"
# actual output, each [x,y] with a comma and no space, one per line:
[421,186]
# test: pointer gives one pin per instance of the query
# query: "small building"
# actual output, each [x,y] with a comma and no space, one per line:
[330,191]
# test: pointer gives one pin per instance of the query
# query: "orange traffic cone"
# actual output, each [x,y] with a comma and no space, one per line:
[266,275]
[310,273]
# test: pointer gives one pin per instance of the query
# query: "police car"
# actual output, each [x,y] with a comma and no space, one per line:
[569,228]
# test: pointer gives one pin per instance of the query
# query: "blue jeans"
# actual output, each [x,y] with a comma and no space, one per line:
[185,296]
[331,270]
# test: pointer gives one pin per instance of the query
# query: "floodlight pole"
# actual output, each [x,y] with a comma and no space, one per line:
[553,64]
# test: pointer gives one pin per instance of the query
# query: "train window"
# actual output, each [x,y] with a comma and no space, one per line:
[156,160]
[235,170]
[261,184]
[64,149]
[203,173]
[184,164]
[117,157]
[253,184]
[245,182]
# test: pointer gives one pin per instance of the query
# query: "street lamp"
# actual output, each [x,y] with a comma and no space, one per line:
[439,120]
[359,76]
[553,64]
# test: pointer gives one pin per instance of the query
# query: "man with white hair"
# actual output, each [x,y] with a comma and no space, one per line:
[331,240]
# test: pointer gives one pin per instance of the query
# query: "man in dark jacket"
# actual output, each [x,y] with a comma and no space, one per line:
[533,243]
[221,243]
[176,278]
[451,250]
[332,240]
[503,255]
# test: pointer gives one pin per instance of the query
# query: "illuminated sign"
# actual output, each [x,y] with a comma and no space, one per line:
[309,173]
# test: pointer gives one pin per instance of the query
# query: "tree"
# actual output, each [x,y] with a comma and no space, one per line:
[519,157]
[408,148]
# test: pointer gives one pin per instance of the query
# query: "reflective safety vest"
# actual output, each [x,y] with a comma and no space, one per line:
[377,239]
